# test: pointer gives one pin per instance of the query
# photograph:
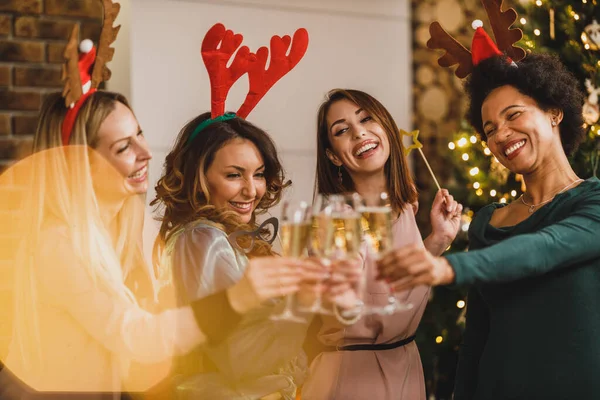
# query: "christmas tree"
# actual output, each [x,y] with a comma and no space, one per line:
[571,30]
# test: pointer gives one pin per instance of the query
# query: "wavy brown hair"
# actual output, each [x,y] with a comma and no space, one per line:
[400,185]
[182,192]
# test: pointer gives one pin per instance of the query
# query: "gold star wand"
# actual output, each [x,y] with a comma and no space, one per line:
[418,146]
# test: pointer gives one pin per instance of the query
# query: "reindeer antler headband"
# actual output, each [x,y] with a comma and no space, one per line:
[483,47]
[218,46]
[80,83]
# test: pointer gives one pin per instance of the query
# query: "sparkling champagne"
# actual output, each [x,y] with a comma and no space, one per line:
[377,226]
[347,233]
[294,238]
[322,235]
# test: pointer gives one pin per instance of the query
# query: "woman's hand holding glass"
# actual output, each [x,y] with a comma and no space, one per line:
[266,278]
[377,226]
[345,286]
[412,266]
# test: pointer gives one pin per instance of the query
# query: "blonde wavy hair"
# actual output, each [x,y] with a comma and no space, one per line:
[63,192]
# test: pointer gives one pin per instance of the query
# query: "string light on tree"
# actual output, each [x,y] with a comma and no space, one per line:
[451,146]
[465,157]
[460,304]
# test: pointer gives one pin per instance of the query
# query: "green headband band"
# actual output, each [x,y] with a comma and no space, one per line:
[210,121]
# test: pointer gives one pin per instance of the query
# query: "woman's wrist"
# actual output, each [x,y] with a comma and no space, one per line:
[242,297]
[448,276]
[436,244]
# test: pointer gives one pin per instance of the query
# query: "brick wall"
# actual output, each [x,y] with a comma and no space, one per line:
[33,34]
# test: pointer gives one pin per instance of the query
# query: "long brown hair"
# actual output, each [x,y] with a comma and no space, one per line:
[182,192]
[400,185]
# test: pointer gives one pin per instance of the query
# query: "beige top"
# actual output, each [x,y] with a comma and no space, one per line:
[88,337]
[383,374]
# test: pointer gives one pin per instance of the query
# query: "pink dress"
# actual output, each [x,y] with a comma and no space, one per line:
[366,374]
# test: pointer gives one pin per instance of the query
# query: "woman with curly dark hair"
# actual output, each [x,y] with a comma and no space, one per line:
[532,315]
[217,178]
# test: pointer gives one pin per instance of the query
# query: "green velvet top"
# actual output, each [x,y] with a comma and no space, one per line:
[533,314]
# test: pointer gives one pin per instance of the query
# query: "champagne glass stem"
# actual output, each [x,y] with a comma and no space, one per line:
[287,314]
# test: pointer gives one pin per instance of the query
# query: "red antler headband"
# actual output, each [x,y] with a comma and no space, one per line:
[222,78]
[83,73]
[483,47]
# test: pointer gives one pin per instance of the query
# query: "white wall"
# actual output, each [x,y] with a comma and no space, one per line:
[362,44]
[120,66]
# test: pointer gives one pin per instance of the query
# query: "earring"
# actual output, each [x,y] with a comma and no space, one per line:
[553,123]
[340,178]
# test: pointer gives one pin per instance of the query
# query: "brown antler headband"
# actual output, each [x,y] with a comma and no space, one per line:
[483,47]
[79,83]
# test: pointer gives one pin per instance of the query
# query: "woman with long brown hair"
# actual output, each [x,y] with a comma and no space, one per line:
[214,184]
[221,173]
[359,148]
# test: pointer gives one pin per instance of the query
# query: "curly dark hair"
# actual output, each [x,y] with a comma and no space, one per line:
[182,193]
[544,78]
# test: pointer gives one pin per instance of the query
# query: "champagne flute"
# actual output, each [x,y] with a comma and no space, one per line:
[347,230]
[295,230]
[321,244]
[377,226]
[347,235]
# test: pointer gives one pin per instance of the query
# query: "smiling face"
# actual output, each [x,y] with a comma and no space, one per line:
[121,142]
[519,133]
[236,178]
[357,141]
